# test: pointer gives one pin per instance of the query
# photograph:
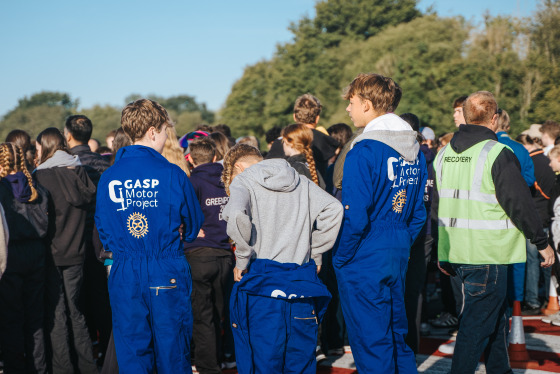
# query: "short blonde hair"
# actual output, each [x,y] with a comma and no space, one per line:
[383,92]
[137,117]
[554,152]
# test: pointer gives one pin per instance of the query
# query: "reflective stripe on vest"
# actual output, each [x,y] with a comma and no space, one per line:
[478,224]
[473,194]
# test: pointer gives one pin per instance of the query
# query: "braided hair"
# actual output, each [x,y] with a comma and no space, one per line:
[239,152]
[13,160]
[300,137]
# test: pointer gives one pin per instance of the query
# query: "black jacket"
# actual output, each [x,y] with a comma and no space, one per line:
[26,220]
[299,162]
[323,146]
[93,163]
[545,180]
[512,191]
[71,192]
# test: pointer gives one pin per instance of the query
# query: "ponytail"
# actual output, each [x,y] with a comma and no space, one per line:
[311,162]
[300,137]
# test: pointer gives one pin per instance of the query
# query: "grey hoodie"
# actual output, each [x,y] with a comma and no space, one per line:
[404,142]
[60,159]
[274,213]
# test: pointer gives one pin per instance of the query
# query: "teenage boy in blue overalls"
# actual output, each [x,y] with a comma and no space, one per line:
[142,201]
[382,194]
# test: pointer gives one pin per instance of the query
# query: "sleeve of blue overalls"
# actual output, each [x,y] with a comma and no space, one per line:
[528,170]
[417,219]
[191,212]
[357,200]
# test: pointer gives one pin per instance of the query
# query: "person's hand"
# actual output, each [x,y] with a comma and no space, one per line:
[548,257]
[201,234]
[318,269]
[441,269]
[238,274]
[182,231]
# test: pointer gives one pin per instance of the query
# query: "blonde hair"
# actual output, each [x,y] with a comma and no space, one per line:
[239,152]
[300,137]
[173,152]
[13,160]
[554,152]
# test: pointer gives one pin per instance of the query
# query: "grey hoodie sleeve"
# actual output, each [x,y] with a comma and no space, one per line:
[239,225]
[329,214]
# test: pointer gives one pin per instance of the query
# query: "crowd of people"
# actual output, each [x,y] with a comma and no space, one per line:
[164,253]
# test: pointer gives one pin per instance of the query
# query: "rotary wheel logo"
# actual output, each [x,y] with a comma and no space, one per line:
[399,200]
[137,225]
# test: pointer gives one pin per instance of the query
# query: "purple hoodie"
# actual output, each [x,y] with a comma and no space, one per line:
[212,198]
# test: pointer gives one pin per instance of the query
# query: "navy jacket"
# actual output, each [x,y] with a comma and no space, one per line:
[212,197]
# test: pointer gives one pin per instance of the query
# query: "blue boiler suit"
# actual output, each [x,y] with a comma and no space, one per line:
[275,311]
[141,202]
[382,195]
[516,272]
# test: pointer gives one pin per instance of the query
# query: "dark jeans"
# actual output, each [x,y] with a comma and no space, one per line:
[22,306]
[414,283]
[212,279]
[483,319]
[95,299]
[533,272]
[63,292]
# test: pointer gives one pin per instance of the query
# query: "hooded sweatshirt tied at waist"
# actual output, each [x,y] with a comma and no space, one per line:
[271,216]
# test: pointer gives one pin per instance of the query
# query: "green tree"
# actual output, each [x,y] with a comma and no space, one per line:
[37,112]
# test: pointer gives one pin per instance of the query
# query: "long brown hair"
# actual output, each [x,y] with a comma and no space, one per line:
[13,160]
[300,137]
[51,140]
[222,144]
[238,152]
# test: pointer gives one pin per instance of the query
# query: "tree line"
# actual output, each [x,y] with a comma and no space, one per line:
[434,59]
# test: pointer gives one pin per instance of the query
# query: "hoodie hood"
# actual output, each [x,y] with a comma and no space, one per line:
[210,172]
[60,159]
[19,185]
[274,174]
[469,135]
[404,142]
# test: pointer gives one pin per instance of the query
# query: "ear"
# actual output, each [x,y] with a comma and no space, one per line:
[367,105]
[317,119]
[190,159]
[294,117]
[69,136]
[213,159]
[239,166]
[152,132]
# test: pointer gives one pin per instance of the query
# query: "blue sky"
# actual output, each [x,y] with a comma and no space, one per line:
[102,51]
